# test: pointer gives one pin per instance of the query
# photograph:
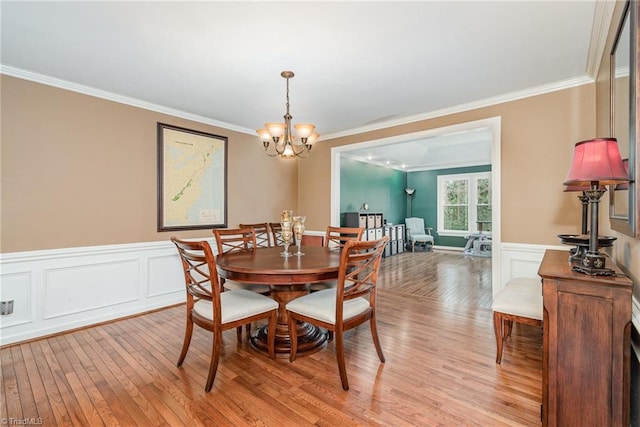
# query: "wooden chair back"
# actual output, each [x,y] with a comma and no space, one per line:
[336,237]
[262,231]
[231,240]
[358,274]
[200,274]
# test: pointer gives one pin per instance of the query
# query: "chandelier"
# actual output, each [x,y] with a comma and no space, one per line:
[285,143]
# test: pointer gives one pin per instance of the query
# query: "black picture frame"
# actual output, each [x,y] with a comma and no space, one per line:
[192,179]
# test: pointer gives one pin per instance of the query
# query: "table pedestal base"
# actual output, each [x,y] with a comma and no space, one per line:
[310,340]
[310,337]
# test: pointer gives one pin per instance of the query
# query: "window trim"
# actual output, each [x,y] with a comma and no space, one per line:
[472,198]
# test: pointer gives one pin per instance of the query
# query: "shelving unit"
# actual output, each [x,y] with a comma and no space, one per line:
[396,242]
[375,228]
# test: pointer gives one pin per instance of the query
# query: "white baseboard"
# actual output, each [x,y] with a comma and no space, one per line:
[448,248]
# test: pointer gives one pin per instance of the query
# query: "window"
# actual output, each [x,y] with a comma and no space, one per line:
[464,201]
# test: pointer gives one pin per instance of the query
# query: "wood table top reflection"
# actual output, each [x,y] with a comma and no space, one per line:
[289,278]
[266,265]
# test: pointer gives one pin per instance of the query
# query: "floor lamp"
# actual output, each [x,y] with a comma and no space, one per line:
[409,192]
[596,163]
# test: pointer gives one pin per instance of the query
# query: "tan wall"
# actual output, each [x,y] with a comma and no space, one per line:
[538,135]
[626,249]
[81,171]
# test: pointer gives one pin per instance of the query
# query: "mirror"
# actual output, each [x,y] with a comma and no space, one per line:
[622,198]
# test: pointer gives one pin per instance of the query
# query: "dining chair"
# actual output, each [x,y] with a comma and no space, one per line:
[335,238]
[230,240]
[350,304]
[262,231]
[214,310]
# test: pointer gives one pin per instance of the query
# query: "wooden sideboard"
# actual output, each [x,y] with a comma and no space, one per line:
[586,345]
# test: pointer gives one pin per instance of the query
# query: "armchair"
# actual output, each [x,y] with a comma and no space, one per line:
[417,232]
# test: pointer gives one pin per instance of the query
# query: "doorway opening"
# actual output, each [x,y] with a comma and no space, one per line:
[492,125]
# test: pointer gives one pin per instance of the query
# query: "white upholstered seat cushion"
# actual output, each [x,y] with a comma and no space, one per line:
[232,285]
[321,286]
[519,302]
[421,238]
[528,284]
[236,305]
[321,305]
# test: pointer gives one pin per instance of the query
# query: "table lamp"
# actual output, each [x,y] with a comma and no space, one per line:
[585,203]
[582,240]
[596,163]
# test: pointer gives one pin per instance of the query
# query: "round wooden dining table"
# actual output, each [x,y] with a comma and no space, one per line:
[288,278]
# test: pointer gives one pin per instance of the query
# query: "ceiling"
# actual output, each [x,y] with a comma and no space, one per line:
[359,65]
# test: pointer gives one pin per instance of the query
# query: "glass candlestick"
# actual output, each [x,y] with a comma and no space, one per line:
[286,216]
[298,230]
[287,237]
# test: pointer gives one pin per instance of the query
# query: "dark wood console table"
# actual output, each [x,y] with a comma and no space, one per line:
[586,345]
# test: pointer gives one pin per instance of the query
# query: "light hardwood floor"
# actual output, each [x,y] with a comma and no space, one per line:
[434,320]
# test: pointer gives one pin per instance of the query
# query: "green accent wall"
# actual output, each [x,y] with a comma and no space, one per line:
[425,199]
[383,190]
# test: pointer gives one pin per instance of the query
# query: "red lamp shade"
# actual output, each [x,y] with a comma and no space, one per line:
[597,160]
[568,188]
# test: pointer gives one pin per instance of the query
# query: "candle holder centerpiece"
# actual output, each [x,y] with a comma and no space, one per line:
[298,230]
[286,222]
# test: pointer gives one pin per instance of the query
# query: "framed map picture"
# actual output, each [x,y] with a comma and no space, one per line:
[192,179]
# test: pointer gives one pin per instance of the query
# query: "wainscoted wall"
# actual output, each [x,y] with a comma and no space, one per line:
[521,260]
[58,290]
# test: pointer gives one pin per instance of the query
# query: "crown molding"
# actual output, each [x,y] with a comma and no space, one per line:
[507,97]
[602,17]
[488,102]
[98,93]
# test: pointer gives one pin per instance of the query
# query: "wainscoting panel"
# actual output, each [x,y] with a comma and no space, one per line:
[521,260]
[16,291]
[165,275]
[75,289]
[58,290]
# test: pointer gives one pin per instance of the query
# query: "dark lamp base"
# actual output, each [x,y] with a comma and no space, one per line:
[577,253]
[593,264]
[593,271]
